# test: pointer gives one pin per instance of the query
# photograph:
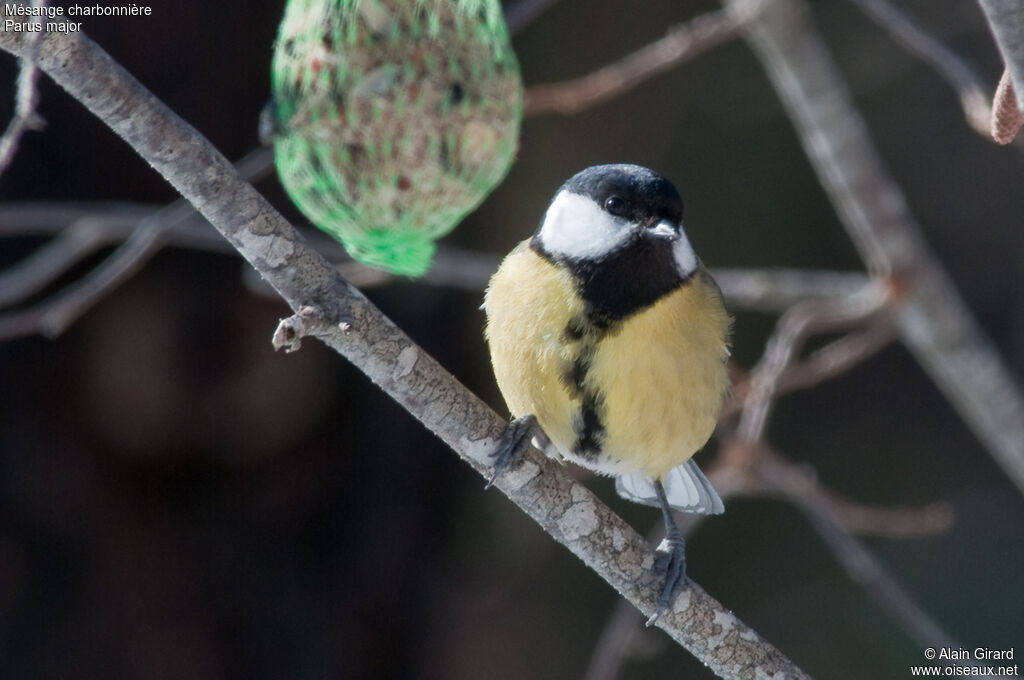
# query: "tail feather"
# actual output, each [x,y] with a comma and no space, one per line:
[686,488]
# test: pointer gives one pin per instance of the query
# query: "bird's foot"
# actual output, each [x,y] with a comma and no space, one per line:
[511,444]
[671,562]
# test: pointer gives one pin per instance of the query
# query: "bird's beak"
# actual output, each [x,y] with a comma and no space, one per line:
[664,229]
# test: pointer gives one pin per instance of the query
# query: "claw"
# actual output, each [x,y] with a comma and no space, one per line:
[672,563]
[511,444]
[671,558]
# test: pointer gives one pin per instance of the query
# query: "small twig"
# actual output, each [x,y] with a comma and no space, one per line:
[1007,116]
[26,99]
[952,69]
[682,42]
[785,343]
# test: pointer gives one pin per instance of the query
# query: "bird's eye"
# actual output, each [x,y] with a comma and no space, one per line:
[615,205]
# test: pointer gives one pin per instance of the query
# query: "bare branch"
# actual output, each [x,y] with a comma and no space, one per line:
[344,319]
[931,318]
[836,357]
[682,42]
[52,316]
[954,70]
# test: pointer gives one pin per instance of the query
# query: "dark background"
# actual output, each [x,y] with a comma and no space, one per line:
[178,501]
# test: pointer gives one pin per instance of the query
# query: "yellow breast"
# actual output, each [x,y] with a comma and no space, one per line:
[659,375]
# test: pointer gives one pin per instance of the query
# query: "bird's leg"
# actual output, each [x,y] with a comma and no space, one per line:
[671,558]
[512,443]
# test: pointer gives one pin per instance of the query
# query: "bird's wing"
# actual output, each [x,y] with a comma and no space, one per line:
[686,488]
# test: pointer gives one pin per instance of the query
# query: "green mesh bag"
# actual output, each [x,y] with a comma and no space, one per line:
[394,118]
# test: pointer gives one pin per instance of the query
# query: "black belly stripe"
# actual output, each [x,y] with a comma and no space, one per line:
[589,427]
[584,335]
[574,373]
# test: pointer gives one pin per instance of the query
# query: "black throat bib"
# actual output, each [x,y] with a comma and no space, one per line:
[625,282]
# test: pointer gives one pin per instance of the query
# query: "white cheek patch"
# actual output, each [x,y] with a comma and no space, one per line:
[576,227]
[682,253]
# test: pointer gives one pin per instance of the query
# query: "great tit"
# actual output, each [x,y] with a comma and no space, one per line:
[609,342]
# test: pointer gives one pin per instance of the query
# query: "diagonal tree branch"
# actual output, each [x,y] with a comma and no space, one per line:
[929,314]
[343,318]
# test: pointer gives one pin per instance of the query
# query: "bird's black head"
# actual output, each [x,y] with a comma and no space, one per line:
[633,192]
[619,230]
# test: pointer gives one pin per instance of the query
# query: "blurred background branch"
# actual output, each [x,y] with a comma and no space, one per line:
[973,95]
[146,237]
[930,316]
[680,43]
